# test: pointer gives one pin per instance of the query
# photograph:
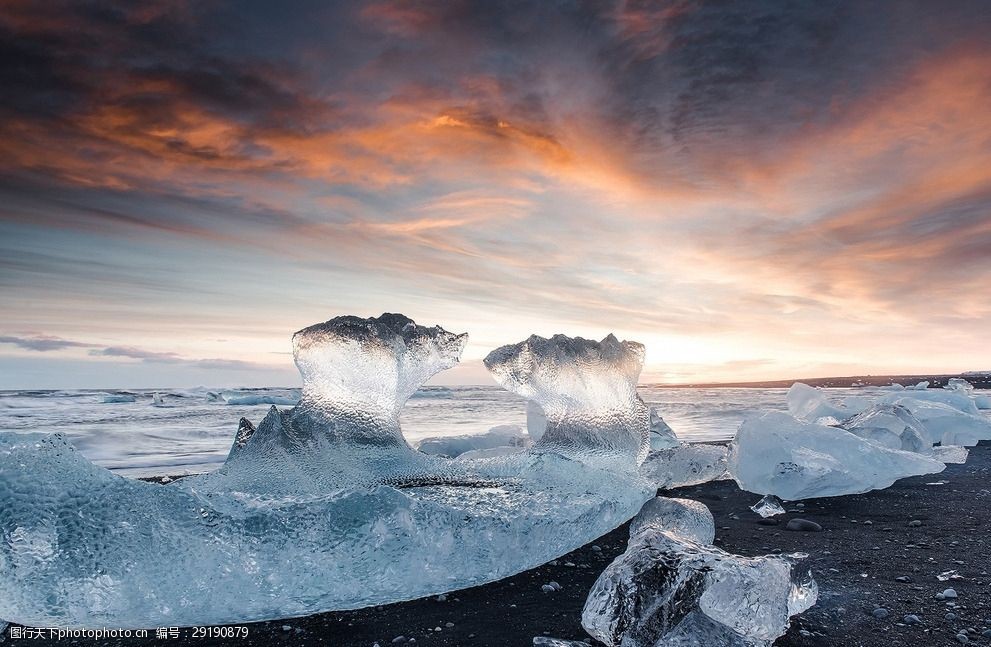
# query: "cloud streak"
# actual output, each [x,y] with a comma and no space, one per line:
[801,181]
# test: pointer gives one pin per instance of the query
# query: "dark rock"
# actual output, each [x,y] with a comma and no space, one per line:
[803,525]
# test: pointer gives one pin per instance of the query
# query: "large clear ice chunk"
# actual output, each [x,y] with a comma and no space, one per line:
[773,453]
[586,389]
[670,587]
[320,507]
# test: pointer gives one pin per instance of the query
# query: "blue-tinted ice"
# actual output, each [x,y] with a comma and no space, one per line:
[325,506]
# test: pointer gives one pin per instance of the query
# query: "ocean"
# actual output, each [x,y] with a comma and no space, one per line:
[184,431]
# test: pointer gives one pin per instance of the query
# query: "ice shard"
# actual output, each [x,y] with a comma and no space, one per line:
[671,588]
[686,464]
[682,517]
[662,436]
[773,453]
[501,436]
[768,506]
[587,390]
[811,405]
[892,426]
[321,507]
[950,454]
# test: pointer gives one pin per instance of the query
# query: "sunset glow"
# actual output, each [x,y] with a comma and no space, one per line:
[766,191]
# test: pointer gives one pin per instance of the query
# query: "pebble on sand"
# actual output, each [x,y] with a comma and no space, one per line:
[803,525]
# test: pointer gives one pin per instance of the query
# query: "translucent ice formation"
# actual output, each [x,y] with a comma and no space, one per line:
[959,384]
[810,404]
[773,453]
[324,506]
[671,588]
[768,506]
[497,437]
[683,517]
[661,434]
[950,454]
[947,424]
[890,425]
[686,464]
[957,400]
[964,387]
[586,389]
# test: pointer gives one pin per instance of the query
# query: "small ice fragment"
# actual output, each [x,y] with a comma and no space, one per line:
[547,641]
[684,518]
[959,384]
[500,436]
[950,454]
[661,434]
[768,506]
[947,575]
[686,464]
[810,405]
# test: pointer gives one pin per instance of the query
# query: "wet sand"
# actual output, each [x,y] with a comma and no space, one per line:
[866,543]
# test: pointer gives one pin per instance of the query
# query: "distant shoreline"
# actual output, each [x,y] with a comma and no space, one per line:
[980,381]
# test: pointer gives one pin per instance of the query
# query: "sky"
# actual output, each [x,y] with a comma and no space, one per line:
[758,190]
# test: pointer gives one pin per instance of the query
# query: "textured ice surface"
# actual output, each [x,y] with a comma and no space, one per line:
[892,426]
[768,506]
[950,454]
[668,588]
[661,434]
[498,437]
[686,464]
[682,517]
[324,506]
[586,389]
[947,424]
[773,453]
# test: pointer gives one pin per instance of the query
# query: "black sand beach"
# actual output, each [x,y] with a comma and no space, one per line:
[867,556]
